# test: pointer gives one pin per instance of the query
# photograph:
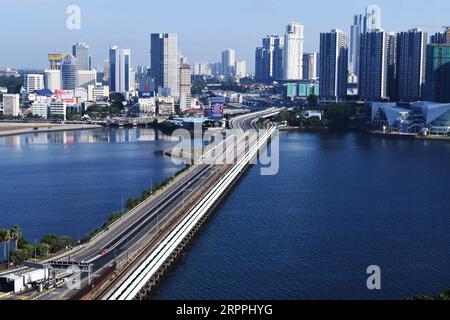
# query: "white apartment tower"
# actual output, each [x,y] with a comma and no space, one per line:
[34,82]
[293,51]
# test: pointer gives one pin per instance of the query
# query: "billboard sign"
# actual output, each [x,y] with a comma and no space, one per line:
[216,107]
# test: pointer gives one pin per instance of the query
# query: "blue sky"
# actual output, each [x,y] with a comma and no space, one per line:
[32,28]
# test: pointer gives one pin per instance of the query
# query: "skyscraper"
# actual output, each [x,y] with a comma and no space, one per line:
[165,62]
[185,86]
[372,84]
[392,78]
[441,37]
[355,37]
[333,65]
[241,69]
[81,52]
[293,51]
[411,51]
[69,73]
[438,73]
[229,62]
[269,59]
[310,66]
[372,19]
[119,70]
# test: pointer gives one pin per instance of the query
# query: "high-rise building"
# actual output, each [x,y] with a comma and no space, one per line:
[52,79]
[201,69]
[69,73]
[372,82]
[185,87]
[411,51]
[269,59]
[437,84]
[87,78]
[165,62]
[106,70]
[392,78]
[293,51]
[372,18]
[310,66]
[241,69]
[228,62]
[11,105]
[119,69]
[333,65]
[441,37]
[81,52]
[355,37]
[34,82]
[55,60]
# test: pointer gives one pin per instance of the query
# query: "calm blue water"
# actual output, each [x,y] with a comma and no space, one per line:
[67,183]
[339,204]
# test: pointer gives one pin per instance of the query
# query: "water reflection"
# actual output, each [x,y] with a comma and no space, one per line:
[105,135]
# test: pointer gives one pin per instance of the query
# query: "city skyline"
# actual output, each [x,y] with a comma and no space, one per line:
[99,35]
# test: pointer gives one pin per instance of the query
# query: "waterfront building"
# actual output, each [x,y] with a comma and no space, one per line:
[11,105]
[58,110]
[415,117]
[333,65]
[40,109]
[293,51]
[411,51]
[437,83]
[373,77]
[165,62]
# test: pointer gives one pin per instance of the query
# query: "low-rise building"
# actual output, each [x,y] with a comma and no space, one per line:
[11,105]
[165,106]
[40,109]
[58,110]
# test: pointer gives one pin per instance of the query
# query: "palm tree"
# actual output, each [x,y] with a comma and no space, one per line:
[16,234]
[5,237]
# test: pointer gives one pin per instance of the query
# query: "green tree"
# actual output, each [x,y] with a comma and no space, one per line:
[5,237]
[17,256]
[312,100]
[16,235]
